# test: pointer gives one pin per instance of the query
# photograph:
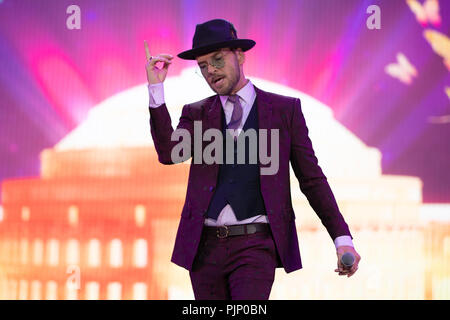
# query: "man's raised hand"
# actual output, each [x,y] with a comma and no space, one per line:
[154,74]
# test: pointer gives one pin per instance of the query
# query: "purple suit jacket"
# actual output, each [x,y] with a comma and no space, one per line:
[274,112]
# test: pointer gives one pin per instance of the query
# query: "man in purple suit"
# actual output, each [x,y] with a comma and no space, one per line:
[237,224]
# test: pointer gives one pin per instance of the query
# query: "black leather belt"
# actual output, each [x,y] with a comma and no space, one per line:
[236,230]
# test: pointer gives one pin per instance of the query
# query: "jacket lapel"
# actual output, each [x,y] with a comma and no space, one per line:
[213,114]
[264,108]
[264,122]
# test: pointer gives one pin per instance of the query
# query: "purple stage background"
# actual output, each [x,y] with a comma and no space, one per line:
[51,76]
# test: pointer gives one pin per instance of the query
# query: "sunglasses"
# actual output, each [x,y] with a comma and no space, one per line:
[217,61]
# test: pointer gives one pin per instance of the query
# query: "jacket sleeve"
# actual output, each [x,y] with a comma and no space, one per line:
[161,130]
[313,182]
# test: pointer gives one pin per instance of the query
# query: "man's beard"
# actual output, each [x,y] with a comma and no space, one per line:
[232,85]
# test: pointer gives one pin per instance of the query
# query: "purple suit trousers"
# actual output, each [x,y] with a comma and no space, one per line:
[234,268]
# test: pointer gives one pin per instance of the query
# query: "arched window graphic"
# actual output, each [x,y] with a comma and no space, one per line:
[115,253]
[72,252]
[25,213]
[71,292]
[140,253]
[114,291]
[52,252]
[93,252]
[72,215]
[139,291]
[23,290]
[23,249]
[139,215]
[92,290]
[15,251]
[36,290]
[38,251]
[51,290]
[12,289]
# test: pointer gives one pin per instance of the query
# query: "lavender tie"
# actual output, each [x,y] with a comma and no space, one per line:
[236,116]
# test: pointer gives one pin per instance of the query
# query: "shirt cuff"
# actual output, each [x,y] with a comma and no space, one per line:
[343,241]
[156,94]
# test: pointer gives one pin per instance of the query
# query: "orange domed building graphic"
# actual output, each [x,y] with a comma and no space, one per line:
[100,220]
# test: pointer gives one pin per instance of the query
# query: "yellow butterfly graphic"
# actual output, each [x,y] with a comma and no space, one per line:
[440,44]
[402,69]
[426,13]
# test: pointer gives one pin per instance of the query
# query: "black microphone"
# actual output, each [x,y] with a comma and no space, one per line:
[347,260]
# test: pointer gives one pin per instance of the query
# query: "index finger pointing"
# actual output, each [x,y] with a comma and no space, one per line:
[147,51]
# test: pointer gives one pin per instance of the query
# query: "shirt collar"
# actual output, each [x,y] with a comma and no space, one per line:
[246,93]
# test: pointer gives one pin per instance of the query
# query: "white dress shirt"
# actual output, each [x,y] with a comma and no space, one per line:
[247,96]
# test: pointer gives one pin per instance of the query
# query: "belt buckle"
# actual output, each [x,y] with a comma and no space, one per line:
[226,232]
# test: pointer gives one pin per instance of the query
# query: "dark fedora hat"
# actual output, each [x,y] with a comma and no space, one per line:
[212,35]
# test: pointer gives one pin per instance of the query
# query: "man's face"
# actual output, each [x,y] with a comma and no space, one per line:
[222,65]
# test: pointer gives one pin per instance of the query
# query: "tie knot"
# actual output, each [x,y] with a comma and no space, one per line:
[233,98]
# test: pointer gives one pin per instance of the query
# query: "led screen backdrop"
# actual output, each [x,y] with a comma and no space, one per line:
[88,212]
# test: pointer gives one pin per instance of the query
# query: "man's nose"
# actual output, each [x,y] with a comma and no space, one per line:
[213,69]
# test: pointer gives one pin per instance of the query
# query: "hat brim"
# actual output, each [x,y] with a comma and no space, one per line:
[245,44]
